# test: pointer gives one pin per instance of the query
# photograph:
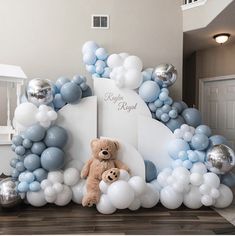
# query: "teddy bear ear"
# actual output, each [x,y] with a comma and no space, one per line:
[117,145]
[93,142]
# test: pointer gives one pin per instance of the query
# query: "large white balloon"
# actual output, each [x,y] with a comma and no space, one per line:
[36,199]
[150,198]
[124,175]
[162,178]
[135,205]
[121,194]
[211,179]
[133,79]
[199,168]
[196,179]
[225,198]
[103,186]
[170,198]
[56,176]
[192,199]
[64,197]
[77,191]
[138,185]
[114,60]
[105,206]
[133,62]
[71,176]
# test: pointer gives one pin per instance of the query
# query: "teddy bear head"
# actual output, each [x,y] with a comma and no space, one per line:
[104,149]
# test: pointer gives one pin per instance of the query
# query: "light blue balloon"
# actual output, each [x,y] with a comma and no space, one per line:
[174,124]
[229,179]
[199,142]
[203,129]
[21,158]
[178,106]
[165,117]
[187,164]
[71,92]
[147,75]
[217,139]
[61,81]
[183,155]
[38,148]
[173,114]
[166,108]
[101,54]
[192,156]
[90,46]
[13,147]
[159,113]
[90,69]
[150,171]
[58,101]
[56,136]
[27,143]
[89,58]
[163,96]
[201,155]
[177,145]
[192,117]
[35,133]
[78,79]
[96,75]
[34,186]
[106,73]
[87,92]
[20,150]
[158,103]
[183,104]
[17,140]
[20,166]
[13,162]
[177,163]
[100,63]
[152,107]
[28,177]
[32,162]
[14,173]
[40,174]
[99,70]
[149,91]
[168,101]
[55,90]
[83,86]
[23,187]
[52,159]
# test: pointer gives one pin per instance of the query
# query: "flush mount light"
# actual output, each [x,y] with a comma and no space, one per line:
[221,38]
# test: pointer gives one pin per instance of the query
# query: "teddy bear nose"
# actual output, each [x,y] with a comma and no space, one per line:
[105,153]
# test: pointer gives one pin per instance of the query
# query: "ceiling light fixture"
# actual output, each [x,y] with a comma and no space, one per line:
[221,38]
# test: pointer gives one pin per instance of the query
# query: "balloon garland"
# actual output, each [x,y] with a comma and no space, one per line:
[198,157]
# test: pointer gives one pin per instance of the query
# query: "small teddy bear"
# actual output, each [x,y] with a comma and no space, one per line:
[104,154]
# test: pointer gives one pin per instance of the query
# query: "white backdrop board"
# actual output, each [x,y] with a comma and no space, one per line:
[153,140]
[80,121]
[118,111]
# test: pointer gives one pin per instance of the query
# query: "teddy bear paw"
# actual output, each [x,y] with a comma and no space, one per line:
[110,176]
[90,200]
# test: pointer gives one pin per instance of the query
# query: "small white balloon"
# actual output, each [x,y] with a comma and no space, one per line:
[156,185]
[124,175]
[114,60]
[36,199]
[77,191]
[41,116]
[178,133]
[215,193]
[75,164]
[196,179]
[162,178]
[133,79]
[207,200]
[150,198]
[187,136]
[50,192]
[56,176]
[103,186]
[138,185]
[192,199]
[135,205]
[46,124]
[44,108]
[50,199]
[58,187]
[211,179]
[45,183]
[198,168]
[185,128]
[205,189]
[123,55]
[52,115]
[71,176]
[64,197]
[225,198]
[133,62]
[105,206]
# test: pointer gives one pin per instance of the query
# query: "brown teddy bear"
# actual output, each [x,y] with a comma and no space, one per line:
[104,154]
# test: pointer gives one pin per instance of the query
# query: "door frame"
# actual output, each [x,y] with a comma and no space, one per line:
[202,82]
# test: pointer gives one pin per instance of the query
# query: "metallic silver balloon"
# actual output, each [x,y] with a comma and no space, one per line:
[165,74]
[220,159]
[8,194]
[39,91]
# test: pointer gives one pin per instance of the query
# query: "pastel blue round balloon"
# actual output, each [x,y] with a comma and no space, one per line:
[163,96]
[28,177]
[55,90]
[90,46]
[34,186]
[99,70]
[199,142]
[35,133]
[159,113]
[83,86]
[179,107]
[87,92]
[187,164]
[174,124]
[203,129]
[149,91]
[27,143]
[13,162]
[61,81]
[183,155]
[166,108]
[13,147]
[40,174]
[217,139]
[23,187]
[38,148]
[78,79]
[228,179]
[20,150]
[100,63]
[101,54]
[20,166]
[150,171]
[71,92]
[90,69]
[56,136]
[58,101]
[165,117]
[96,75]
[106,73]
[177,145]
[52,159]
[176,163]
[168,101]
[21,158]
[147,75]
[192,117]
[32,162]
[173,114]
[158,103]
[15,173]
[152,107]
[89,58]
[192,156]
[201,155]
[17,140]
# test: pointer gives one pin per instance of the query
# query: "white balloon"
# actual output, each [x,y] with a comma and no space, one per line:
[211,179]
[75,164]
[56,176]
[181,172]
[170,198]
[178,133]
[77,191]
[121,194]
[88,45]
[135,205]
[150,198]
[58,187]
[114,60]
[205,189]
[18,127]
[123,55]
[105,206]
[185,128]
[45,124]
[52,115]
[179,186]
[162,178]
[225,198]
[50,199]
[196,179]
[138,185]
[45,183]
[41,116]
[207,200]
[156,185]
[36,199]
[215,193]
[133,62]
[133,79]
[71,176]
[64,197]
[50,192]
[103,186]
[192,199]
[198,168]
[187,136]
[124,175]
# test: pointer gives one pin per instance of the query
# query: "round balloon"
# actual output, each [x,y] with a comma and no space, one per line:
[192,117]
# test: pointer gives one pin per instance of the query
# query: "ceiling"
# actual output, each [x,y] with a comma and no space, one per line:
[203,38]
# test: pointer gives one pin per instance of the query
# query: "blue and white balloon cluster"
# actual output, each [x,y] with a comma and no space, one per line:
[66,91]
[95,59]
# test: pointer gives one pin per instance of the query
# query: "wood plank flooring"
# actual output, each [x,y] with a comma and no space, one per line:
[74,219]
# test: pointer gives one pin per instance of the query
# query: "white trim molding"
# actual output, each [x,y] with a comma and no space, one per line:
[192,4]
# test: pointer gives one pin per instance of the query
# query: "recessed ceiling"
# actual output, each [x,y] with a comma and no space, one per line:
[203,38]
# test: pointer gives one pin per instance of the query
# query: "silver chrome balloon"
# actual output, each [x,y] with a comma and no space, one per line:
[220,159]
[165,74]
[39,91]
[8,194]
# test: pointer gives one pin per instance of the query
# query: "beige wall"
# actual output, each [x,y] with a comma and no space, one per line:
[45,37]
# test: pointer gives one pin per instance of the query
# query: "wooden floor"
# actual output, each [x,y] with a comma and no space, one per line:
[74,219]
